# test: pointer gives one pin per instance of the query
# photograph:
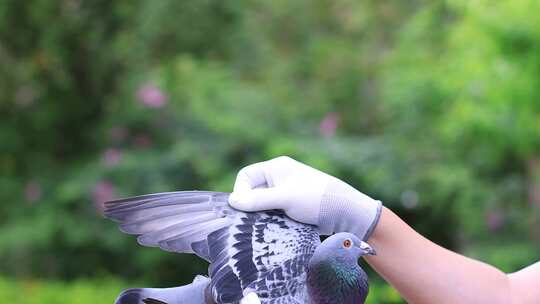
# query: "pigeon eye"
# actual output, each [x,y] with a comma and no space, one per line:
[347,243]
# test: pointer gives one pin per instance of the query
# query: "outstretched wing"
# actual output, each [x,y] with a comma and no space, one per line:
[174,221]
[262,252]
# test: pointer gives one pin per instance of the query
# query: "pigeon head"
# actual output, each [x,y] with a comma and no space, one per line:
[334,275]
[346,246]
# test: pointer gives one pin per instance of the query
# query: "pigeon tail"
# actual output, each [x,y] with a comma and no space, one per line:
[194,293]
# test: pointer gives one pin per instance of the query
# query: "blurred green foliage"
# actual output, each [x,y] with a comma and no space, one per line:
[103,290]
[81,291]
[430,106]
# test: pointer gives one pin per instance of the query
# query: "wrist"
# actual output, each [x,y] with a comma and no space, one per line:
[384,229]
[345,209]
[376,220]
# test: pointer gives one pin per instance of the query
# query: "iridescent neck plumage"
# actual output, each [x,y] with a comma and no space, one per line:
[336,281]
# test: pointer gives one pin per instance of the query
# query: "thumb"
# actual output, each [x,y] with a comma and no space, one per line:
[259,199]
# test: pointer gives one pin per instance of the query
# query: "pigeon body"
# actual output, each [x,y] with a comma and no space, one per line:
[266,254]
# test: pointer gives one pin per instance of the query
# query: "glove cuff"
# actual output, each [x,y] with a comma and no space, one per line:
[345,209]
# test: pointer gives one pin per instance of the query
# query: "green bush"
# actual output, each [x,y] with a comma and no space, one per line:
[105,290]
[81,291]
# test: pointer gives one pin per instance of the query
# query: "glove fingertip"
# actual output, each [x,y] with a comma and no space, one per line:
[234,198]
[241,201]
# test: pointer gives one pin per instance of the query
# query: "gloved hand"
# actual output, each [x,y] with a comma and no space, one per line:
[306,195]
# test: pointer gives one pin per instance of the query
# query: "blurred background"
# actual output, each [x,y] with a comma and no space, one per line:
[431,106]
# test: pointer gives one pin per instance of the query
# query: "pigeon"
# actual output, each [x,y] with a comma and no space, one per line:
[255,257]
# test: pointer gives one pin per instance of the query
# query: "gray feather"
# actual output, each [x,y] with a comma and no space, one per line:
[172,220]
[262,252]
[192,293]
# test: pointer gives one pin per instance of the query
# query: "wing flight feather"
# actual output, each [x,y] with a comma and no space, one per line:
[262,252]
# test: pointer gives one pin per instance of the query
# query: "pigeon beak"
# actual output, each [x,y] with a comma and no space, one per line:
[366,249]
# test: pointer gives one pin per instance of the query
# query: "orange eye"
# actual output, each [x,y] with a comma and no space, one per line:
[347,243]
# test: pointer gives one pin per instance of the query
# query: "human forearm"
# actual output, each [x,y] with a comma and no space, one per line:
[421,271]
[524,284]
[424,272]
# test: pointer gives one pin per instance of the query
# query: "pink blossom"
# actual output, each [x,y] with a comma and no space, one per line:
[103,191]
[118,133]
[111,157]
[494,219]
[151,96]
[32,191]
[329,124]
[533,166]
[142,141]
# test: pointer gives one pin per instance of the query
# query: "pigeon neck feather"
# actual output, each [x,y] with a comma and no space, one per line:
[335,279]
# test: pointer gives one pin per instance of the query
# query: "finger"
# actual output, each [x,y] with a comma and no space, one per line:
[250,177]
[259,199]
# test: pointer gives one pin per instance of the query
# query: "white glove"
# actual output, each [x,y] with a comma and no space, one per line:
[306,195]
